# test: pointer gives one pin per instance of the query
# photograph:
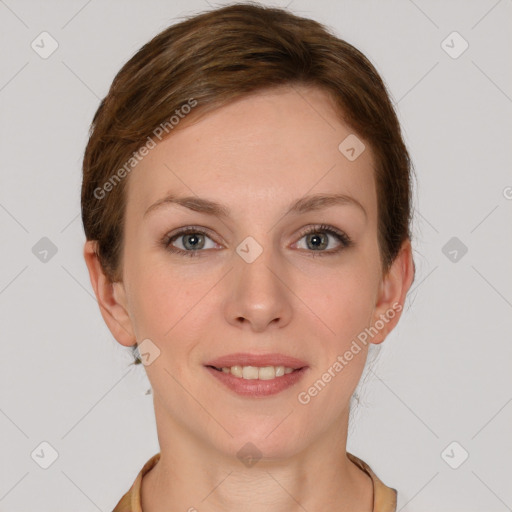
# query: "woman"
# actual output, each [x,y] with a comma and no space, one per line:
[246,202]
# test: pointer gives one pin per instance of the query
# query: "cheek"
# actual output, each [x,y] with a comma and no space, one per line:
[344,306]
[344,302]
[170,307]
[157,298]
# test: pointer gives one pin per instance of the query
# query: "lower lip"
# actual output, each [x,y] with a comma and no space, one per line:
[255,387]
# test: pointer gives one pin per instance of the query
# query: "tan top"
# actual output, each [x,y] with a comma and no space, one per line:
[384,498]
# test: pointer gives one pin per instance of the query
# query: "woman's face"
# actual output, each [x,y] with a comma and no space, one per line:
[252,282]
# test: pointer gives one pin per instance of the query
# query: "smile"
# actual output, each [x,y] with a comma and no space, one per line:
[255,372]
[257,382]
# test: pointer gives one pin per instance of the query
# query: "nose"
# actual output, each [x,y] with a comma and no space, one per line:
[257,295]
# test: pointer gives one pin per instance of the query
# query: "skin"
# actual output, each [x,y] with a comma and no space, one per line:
[256,156]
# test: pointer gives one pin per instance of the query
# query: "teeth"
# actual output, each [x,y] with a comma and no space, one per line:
[255,372]
[266,373]
[235,370]
[250,372]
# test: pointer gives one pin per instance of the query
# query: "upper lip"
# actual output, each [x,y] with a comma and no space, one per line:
[244,359]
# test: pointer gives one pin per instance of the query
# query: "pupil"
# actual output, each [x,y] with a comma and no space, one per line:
[195,240]
[315,239]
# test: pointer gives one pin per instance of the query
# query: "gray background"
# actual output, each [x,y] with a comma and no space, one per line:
[442,376]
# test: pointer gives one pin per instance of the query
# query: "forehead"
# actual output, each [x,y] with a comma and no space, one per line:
[265,149]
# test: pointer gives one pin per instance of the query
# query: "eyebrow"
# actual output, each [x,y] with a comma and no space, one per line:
[300,206]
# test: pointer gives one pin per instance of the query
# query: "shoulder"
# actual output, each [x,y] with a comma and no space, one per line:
[131,501]
[384,497]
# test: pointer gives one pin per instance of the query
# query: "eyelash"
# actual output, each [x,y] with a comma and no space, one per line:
[322,228]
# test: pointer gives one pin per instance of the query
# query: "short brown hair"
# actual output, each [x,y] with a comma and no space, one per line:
[216,57]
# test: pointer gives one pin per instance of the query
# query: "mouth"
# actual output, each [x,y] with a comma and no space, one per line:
[257,375]
[256,372]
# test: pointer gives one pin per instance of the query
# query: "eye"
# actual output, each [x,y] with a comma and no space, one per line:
[194,239]
[317,239]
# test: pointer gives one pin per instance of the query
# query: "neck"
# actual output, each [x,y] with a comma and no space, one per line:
[193,476]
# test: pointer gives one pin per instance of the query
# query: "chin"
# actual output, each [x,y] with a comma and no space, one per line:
[261,444]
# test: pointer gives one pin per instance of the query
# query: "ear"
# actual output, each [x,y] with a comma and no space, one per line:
[111,298]
[392,293]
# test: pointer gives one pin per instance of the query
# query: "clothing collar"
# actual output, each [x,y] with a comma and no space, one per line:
[384,497]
